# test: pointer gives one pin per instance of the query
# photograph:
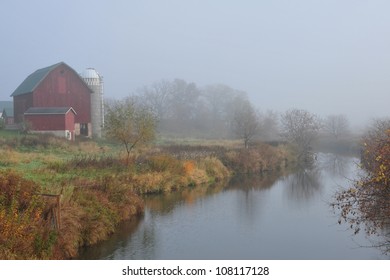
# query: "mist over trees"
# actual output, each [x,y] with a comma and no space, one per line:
[337,126]
[185,110]
[245,122]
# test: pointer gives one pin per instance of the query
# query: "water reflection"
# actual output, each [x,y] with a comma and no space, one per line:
[334,164]
[249,218]
[304,183]
[118,240]
[165,204]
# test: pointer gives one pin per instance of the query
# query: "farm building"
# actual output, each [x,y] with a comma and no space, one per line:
[7,112]
[58,88]
[59,121]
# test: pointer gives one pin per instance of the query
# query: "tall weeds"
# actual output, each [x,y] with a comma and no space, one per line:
[24,231]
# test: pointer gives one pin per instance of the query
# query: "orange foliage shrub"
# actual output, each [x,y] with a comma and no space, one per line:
[24,234]
[189,167]
[367,203]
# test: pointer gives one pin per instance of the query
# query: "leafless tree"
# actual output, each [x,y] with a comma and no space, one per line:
[157,97]
[337,125]
[300,128]
[245,121]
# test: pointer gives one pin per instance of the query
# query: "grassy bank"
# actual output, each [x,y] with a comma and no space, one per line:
[98,189]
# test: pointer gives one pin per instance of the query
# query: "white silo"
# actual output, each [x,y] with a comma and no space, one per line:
[95,81]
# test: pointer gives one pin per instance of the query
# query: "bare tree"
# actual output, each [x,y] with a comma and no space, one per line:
[337,125]
[300,128]
[157,97]
[245,121]
[129,123]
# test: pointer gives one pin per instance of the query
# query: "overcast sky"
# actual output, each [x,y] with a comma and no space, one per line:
[327,56]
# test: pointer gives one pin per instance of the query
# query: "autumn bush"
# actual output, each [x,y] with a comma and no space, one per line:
[367,204]
[24,232]
[257,159]
[165,162]
[93,212]
[214,168]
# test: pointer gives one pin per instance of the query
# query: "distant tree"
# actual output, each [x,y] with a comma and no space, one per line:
[2,123]
[269,126]
[157,97]
[218,106]
[129,123]
[183,101]
[367,203]
[300,128]
[245,121]
[337,125]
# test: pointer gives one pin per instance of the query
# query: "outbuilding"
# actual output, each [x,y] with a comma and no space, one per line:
[59,121]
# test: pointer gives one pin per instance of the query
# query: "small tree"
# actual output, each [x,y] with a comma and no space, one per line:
[129,123]
[245,122]
[300,128]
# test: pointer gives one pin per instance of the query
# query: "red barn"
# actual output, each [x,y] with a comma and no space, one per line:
[56,86]
[59,121]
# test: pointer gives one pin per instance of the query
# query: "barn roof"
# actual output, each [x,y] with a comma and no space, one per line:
[49,111]
[33,80]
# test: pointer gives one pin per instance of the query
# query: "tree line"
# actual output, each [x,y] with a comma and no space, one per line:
[182,109]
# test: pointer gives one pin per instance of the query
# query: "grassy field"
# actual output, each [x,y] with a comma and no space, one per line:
[98,188]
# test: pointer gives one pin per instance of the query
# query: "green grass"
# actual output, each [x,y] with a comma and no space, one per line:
[9,133]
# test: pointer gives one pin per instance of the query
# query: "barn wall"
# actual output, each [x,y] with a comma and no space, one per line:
[46,122]
[21,104]
[62,87]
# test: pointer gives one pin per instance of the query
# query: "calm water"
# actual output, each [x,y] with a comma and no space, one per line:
[272,217]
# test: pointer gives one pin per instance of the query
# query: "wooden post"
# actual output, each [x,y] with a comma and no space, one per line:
[59,211]
[56,212]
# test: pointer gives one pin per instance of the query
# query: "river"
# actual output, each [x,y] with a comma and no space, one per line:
[278,216]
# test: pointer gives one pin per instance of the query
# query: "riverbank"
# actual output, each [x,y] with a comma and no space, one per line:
[98,190]
[249,217]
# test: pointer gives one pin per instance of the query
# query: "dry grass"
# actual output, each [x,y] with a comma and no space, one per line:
[99,189]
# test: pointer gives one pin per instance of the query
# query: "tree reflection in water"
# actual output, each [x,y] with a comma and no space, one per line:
[335,165]
[304,183]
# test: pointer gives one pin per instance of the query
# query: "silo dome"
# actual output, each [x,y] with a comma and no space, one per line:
[90,73]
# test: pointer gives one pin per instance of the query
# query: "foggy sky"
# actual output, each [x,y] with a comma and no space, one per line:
[328,56]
